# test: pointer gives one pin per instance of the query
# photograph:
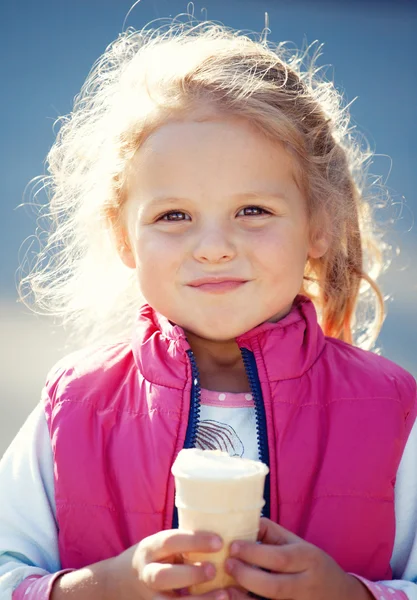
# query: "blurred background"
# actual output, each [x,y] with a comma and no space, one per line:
[47,48]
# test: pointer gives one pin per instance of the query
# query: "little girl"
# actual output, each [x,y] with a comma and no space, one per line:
[209,216]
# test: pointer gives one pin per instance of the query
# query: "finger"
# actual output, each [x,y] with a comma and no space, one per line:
[235,593]
[213,595]
[165,577]
[267,585]
[290,558]
[166,543]
[272,533]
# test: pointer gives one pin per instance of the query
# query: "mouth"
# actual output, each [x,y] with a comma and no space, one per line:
[217,285]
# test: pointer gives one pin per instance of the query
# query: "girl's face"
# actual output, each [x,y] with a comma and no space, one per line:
[216,199]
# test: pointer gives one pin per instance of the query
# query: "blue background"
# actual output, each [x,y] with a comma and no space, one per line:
[46,50]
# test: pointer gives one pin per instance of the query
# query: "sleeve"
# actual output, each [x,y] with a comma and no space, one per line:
[403,586]
[28,530]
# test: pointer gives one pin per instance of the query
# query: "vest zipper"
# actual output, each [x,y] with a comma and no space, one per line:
[195,406]
[193,417]
[261,428]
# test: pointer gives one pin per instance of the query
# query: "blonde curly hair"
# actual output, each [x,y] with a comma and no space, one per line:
[149,77]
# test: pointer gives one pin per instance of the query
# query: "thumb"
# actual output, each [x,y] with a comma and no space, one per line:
[274,534]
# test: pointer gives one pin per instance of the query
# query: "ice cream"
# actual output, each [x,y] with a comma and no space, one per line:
[221,494]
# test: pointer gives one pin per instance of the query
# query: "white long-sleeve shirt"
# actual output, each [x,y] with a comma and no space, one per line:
[28,527]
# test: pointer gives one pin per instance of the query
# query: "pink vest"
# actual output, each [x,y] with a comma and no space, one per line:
[337,422]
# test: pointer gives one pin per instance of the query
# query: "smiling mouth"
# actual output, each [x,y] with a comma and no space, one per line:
[219,287]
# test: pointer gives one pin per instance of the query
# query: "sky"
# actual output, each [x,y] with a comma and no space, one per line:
[46,50]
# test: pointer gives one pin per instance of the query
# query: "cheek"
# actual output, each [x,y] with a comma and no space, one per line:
[280,250]
[268,247]
[157,257]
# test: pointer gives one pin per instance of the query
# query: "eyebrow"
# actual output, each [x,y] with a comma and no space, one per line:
[241,196]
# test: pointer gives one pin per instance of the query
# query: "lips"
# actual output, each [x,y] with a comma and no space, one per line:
[217,285]
[216,281]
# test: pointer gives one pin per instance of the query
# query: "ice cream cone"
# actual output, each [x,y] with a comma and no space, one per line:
[221,494]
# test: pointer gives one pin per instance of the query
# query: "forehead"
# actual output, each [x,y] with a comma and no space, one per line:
[189,157]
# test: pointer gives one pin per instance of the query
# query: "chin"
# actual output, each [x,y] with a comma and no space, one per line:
[219,328]
[221,334]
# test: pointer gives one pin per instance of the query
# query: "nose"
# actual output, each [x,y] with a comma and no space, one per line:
[214,244]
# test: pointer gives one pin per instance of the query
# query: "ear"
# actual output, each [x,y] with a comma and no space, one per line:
[319,244]
[126,255]
[320,234]
[124,248]
[120,236]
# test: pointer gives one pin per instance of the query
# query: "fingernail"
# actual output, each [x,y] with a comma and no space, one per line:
[209,571]
[234,548]
[221,595]
[230,565]
[216,543]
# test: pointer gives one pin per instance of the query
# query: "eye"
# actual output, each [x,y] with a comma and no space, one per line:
[173,215]
[253,211]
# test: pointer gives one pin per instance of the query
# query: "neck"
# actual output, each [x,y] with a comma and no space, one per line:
[220,364]
[218,354]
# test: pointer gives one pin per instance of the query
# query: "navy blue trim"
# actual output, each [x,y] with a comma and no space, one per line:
[195,408]
[261,428]
[262,432]
[175,518]
[193,417]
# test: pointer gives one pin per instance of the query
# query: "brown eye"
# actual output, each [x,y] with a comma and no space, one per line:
[249,211]
[173,215]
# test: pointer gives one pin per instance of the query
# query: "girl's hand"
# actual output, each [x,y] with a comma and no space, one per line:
[150,570]
[296,569]
[154,568]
